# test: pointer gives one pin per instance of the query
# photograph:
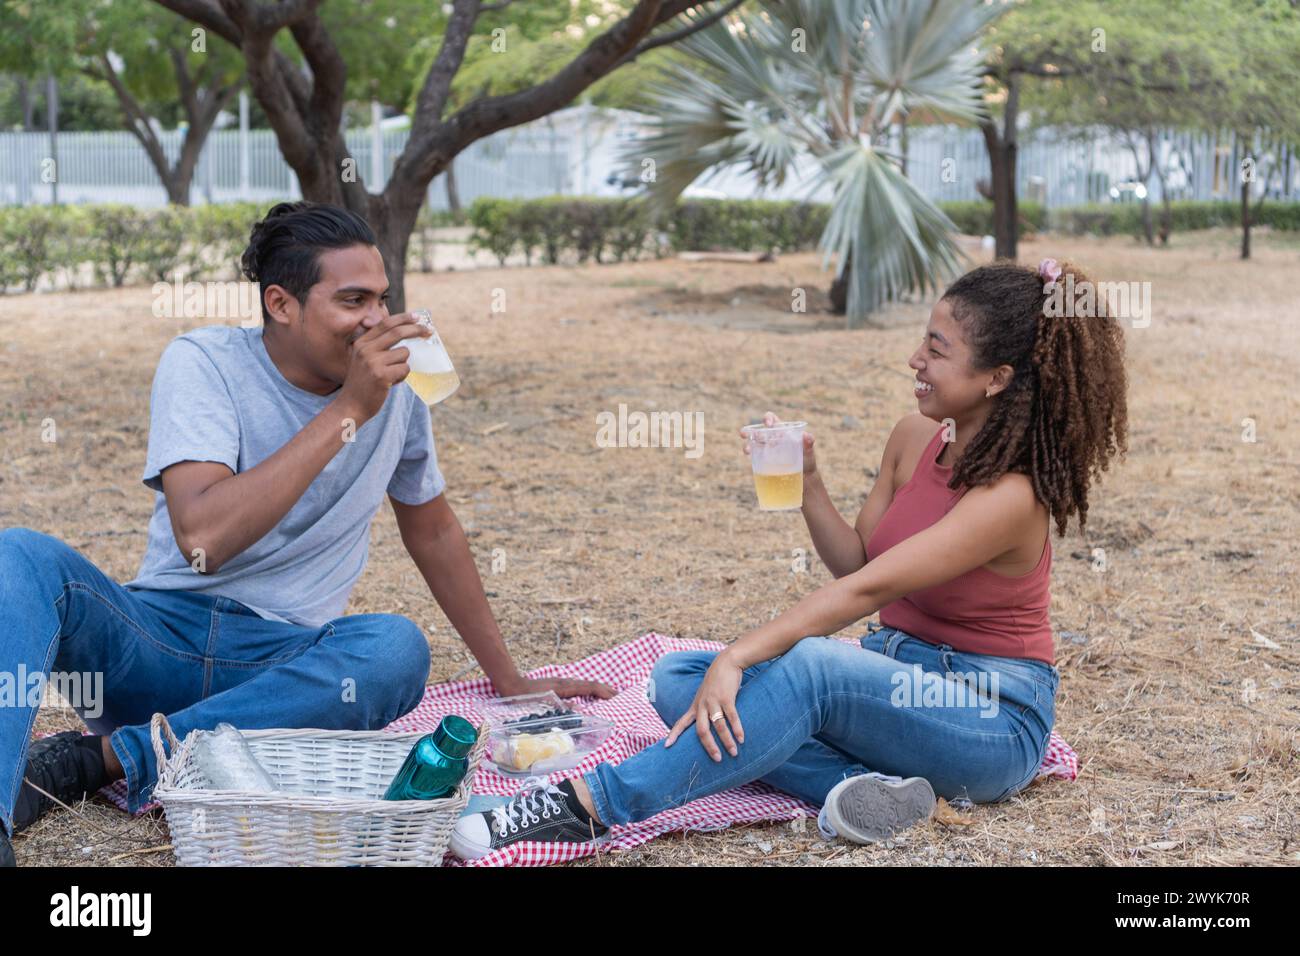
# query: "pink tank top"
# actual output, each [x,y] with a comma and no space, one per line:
[979,612]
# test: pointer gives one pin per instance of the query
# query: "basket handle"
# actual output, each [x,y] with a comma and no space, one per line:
[157,727]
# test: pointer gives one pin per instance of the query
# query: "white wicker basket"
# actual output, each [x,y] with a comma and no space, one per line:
[334,816]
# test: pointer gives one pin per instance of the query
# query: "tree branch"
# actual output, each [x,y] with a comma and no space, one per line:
[485,116]
[437,84]
[328,72]
[137,121]
[184,84]
[703,23]
[206,14]
[275,16]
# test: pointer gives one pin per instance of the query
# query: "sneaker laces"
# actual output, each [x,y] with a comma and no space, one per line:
[522,810]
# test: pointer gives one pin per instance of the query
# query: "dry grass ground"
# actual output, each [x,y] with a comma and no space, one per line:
[1179,685]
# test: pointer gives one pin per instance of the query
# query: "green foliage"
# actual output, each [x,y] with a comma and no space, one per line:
[590,229]
[494,222]
[122,243]
[519,46]
[84,105]
[975,217]
[593,229]
[217,236]
[746,225]
[160,242]
[1125,219]
[116,233]
[29,244]
[72,37]
[805,79]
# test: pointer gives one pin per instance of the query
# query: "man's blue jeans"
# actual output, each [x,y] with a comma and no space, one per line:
[826,710]
[198,658]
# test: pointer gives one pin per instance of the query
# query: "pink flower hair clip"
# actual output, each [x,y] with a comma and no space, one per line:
[1050,271]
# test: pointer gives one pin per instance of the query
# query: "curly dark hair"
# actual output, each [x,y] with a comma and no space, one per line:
[1064,414]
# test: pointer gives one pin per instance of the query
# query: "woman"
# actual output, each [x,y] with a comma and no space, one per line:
[1019,408]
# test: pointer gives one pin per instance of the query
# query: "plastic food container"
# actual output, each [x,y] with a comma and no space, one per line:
[540,734]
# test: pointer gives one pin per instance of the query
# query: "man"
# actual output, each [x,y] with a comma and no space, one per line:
[270,450]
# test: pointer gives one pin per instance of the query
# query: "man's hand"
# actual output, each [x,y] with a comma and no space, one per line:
[563,687]
[375,366]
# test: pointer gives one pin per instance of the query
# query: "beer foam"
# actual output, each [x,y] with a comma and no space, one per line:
[426,356]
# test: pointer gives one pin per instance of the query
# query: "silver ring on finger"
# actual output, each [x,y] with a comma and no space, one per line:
[715,717]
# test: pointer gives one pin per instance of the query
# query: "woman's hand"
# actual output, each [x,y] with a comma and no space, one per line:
[809,461]
[716,697]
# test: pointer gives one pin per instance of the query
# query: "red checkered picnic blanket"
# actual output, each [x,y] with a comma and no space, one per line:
[637,725]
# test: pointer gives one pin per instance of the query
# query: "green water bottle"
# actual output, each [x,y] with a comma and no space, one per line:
[437,762]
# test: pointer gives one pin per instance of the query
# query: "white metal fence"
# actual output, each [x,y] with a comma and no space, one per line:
[113,166]
[575,152]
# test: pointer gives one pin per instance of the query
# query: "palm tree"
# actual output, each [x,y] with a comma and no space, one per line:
[830,79]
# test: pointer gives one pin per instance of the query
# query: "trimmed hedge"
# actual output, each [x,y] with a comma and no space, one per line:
[601,229]
[123,244]
[974,217]
[1125,219]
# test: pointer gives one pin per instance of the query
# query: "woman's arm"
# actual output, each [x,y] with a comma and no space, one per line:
[835,540]
[841,546]
[985,523]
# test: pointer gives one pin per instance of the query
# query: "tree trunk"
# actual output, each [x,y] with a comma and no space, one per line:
[453,194]
[1166,207]
[840,289]
[28,104]
[1245,219]
[178,186]
[392,217]
[1147,229]
[1002,167]
[1002,149]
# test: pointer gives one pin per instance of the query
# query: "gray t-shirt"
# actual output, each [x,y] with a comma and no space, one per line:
[217,396]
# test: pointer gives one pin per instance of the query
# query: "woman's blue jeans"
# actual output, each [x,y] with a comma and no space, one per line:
[974,725]
[198,658]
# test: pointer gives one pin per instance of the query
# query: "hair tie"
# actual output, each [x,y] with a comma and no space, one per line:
[1050,271]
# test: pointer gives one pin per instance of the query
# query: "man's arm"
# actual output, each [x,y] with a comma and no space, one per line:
[436,542]
[223,513]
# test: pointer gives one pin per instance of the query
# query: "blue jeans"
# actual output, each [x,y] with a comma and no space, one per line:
[973,725]
[198,658]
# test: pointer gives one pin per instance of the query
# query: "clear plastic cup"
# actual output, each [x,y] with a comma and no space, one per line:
[776,454]
[432,375]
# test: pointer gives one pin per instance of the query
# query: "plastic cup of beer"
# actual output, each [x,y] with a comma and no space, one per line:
[776,454]
[432,375]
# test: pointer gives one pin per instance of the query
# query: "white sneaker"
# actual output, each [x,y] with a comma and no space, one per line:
[874,806]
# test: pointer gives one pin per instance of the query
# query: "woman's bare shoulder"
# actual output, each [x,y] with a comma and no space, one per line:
[906,443]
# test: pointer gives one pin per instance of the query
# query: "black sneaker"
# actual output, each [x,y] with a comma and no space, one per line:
[540,812]
[6,850]
[68,765]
